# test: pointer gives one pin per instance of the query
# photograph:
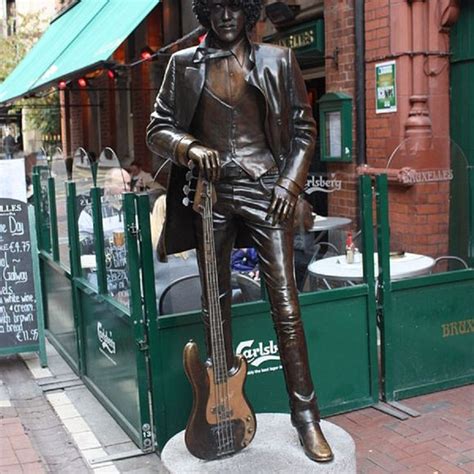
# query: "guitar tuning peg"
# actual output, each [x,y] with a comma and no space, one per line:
[186,201]
[189,175]
[188,189]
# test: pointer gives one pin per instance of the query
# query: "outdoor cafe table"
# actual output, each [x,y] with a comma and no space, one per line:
[401,266]
[328,223]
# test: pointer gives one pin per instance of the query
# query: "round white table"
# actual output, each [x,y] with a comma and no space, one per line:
[336,268]
[327,223]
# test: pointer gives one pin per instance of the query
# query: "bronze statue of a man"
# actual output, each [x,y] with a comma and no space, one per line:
[239,111]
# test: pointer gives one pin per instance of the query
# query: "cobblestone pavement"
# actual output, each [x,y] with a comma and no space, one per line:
[34,437]
[441,440]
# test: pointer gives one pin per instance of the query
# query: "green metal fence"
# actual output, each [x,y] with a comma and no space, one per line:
[131,359]
[427,324]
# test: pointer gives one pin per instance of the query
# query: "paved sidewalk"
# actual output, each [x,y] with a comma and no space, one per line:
[441,440]
[17,454]
[67,431]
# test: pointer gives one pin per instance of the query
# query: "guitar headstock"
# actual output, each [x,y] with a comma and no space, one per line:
[198,191]
[204,195]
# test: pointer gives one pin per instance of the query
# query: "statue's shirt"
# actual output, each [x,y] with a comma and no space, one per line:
[230,116]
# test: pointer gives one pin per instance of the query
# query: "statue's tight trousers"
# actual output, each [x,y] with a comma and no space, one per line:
[244,202]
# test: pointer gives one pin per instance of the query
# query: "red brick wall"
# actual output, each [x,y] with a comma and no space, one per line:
[340,33]
[419,215]
[75,122]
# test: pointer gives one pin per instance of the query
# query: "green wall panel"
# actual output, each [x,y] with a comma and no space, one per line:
[59,311]
[338,346]
[110,358]
[429,340]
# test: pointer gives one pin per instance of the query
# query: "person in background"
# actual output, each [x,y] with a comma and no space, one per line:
[177,265]
[9,145]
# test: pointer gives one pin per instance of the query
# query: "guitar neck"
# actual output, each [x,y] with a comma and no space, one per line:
[212,290]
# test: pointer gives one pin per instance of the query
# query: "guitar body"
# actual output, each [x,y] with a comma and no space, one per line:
[206,437]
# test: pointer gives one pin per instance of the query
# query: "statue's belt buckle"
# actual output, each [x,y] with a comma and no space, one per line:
[232,170]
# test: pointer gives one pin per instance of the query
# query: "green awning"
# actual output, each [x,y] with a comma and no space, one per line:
[83,37]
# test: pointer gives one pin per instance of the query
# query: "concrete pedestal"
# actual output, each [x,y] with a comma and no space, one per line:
[275,448]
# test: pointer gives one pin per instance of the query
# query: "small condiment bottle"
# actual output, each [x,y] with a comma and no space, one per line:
[349,248]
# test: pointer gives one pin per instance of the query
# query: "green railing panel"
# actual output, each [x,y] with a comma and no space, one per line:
[110,367]
[336,331]
[60,320]
[427,325]
[430,339]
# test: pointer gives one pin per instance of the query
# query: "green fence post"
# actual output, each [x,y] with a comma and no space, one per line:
[53,217]
[369,276]
[76,270]
[96,198]
[37,205]
[137,316]
[384,284]
[38,289]
[471,215]
[151,315]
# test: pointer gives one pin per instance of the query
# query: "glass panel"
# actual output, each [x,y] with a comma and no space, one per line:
[326,221]
[58,172]
[429,207]
[333,134]
[115,182]
[81,174]
[45,210]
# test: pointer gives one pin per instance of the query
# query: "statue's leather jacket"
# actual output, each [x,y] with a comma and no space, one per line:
[289,126]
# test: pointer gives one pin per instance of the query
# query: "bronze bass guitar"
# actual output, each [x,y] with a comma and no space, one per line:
[221,422]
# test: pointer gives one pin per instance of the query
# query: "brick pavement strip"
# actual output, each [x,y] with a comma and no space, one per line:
[440,441]
[36,436]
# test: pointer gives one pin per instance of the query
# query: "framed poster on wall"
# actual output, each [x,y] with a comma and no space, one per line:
[386,87]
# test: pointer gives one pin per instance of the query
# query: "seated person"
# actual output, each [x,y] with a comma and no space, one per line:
[245,261]
[177,265]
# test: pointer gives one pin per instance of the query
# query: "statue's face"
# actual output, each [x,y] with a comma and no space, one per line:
[227,20]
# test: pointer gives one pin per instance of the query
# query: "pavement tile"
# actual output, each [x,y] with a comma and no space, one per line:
[8,461]
[456,458]
[450,442]
[66,411]
[76,425]
[445,467]
[14,429]
[469,454]
[468,467]
[20,441]
[33,468]
[426,446]
[86,440]
[420,459]
[13,469]
[384,461]
[27,455]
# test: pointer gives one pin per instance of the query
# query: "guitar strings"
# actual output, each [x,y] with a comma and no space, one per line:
[220,363]
[225,431]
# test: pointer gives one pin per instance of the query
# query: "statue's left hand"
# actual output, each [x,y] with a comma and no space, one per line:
[282,205]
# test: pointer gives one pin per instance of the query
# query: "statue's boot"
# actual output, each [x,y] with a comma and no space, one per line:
[304,408]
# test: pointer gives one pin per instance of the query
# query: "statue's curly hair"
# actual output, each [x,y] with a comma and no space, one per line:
[252,10]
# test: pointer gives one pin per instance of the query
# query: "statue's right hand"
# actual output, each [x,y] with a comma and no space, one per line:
[207,160]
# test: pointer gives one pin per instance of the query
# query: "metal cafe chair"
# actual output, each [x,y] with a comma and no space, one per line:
[184,294]
[250,289]
[457,261]
[181,295]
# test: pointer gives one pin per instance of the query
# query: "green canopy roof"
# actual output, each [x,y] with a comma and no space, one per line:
[84,36]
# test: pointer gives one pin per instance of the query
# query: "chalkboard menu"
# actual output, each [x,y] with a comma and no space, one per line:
[21,316]
[18,321]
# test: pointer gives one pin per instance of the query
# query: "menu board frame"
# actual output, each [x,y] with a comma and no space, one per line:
[22,326]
